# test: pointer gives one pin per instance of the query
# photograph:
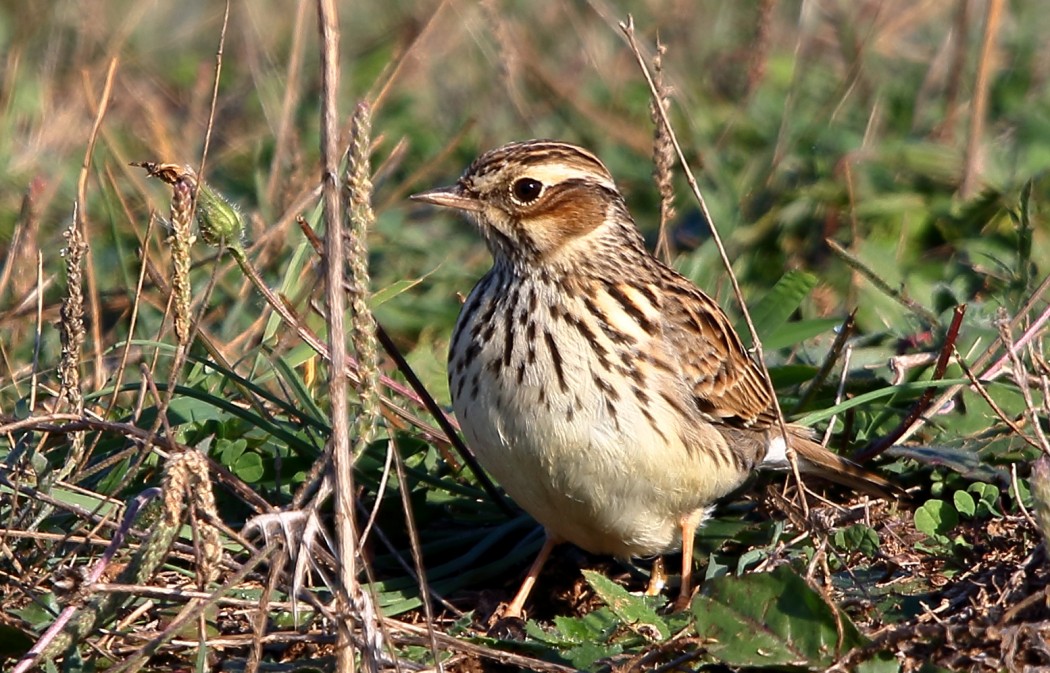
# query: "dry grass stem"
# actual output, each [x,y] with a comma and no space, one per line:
[355,608]
[980,364]
[1040,481]
[212,103]
[22,247]
[289,102]
[508,60]
[756,67]
[82,223]
[980,389]
[876,280]
[34,380]
[360,219]
[847,356]
[973,160]
[186,475]
[1020,376]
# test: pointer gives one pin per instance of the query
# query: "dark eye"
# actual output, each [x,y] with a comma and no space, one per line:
[526,190]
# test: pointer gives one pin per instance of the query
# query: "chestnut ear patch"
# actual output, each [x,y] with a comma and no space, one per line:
[568,212]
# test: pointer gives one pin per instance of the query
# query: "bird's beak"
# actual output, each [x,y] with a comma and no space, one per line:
[449,197]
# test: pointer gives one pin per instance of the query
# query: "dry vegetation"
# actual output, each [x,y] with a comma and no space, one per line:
[170,435]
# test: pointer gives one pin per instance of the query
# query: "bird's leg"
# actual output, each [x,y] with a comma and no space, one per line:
[516,605]
[657,578]
[685,592]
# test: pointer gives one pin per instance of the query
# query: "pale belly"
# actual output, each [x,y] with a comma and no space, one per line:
[600,460]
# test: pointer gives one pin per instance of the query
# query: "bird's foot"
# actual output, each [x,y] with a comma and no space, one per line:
[505,624]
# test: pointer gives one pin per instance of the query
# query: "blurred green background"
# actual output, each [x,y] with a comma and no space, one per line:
[804,120]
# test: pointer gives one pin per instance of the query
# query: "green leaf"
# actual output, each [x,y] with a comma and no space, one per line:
[1024,234]
[305,400]
[888,391]
[584,655]
[295,276]
[189,410]
[39,614]
[987,498]
[1026,493]
[715,568]
[936,518]
[249,467]
[635,611]
[427,360]
[230,451]
[966,463]
[384,295]
[752,557]
[964,503]
[14,642]
[858,537]
[771,619]
[777,305]
[883,662]
[78,498]
[791,333]
[584,640]
[598,625]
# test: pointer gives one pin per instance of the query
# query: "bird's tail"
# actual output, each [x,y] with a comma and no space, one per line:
[817,460]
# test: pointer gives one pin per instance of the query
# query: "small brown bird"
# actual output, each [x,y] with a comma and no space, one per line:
[608,395]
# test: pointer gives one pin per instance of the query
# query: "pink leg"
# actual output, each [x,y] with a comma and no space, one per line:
[516,605]
[685,593]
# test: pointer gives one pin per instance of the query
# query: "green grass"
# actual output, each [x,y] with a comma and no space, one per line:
[805,122]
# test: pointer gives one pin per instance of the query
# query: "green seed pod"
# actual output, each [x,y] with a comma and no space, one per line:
[218,219]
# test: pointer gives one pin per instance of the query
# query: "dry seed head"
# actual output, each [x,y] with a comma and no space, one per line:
[218,219]
[204,503]
[175,486]
[663,153]
[181,240]
[168,173]
[71,332]
[71,327]
[361,216]
[186,477]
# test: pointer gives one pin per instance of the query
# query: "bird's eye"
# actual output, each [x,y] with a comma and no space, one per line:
[526,190]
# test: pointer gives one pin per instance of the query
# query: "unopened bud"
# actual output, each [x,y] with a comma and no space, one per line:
[218,219]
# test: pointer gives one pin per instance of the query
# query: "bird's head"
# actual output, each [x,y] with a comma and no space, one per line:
[540,203]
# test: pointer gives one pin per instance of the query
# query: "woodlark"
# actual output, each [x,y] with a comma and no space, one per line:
[609,396]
